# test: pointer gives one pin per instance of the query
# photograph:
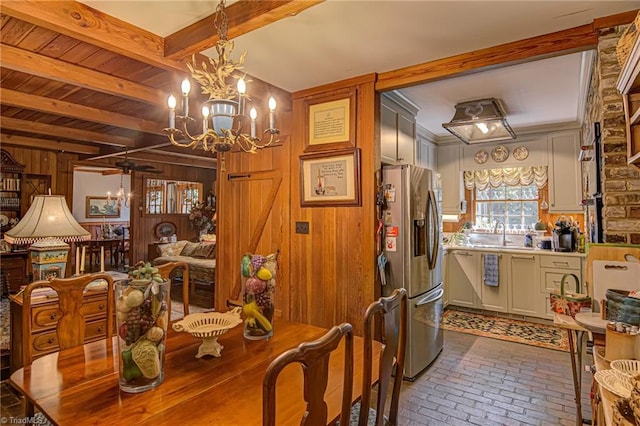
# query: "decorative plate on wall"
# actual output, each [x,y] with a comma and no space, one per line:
[165,229]
[481,157]
[521,153]
[500,153]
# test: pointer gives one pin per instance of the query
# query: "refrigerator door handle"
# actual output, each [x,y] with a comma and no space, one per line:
[432,214]
[430,299]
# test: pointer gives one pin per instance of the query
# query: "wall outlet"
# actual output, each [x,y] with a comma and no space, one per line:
[302,227]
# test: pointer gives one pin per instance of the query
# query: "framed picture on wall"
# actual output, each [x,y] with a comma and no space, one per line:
[330,178]
[101,207]
[331,121]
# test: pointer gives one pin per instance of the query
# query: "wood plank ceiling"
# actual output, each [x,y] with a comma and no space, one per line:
[75,79]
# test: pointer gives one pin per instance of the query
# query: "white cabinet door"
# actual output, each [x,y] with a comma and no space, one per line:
[388,134]
[426,153]
[406,139]
[494,298]
[524,293]
[450,177]
[397,129]
[462,278]
[565,193]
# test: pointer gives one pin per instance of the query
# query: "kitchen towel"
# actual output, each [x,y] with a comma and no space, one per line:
[491,270]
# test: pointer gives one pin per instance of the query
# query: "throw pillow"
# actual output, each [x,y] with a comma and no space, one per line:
[189,248]
[203,251]
[172,249]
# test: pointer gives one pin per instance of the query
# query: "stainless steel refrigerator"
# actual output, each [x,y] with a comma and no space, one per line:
[413,250]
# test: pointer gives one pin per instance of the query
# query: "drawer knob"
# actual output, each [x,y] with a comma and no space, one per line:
[50,340]
[100,329]
[52,316]
[101,306]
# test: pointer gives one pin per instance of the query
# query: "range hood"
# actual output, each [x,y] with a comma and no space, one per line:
[480,121]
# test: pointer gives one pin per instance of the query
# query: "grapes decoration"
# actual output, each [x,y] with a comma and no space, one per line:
[258,278]
[142,314]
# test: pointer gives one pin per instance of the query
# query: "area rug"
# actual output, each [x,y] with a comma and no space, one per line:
[5,327]
[542,335]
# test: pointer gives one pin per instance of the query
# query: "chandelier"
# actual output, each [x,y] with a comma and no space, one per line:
[224,121]
[120,198]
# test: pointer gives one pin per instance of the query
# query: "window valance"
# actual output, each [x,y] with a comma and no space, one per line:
[510,176]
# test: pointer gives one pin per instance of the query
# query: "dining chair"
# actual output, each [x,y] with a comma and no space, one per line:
[165,271]
[392,312]
[314,358]
[71,324]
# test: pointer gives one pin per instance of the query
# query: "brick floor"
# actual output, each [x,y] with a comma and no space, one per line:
[482,381]
[474,381]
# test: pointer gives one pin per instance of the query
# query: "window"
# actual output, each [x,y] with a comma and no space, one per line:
[515,206]
[171,196]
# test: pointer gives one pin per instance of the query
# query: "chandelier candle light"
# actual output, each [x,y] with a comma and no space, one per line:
[224,119]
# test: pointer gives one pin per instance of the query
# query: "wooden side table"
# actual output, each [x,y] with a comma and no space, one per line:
[13,266]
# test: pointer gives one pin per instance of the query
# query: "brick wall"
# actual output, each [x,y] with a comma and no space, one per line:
[620,182]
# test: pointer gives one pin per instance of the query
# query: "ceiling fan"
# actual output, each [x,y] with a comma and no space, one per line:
[127,166]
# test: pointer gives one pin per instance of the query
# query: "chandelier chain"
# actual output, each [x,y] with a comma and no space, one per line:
[220,21]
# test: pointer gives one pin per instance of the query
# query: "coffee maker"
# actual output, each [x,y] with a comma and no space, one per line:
[565,239]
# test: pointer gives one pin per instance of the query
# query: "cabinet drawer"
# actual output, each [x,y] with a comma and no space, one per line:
[562,262]
[47,341]
[47,316]
[550,279]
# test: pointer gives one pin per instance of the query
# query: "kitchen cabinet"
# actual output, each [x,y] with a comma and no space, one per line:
[426,154]
[526,279]
[451,178]
[462,278]
[564,172]
[629,85]
[524,296]
[397,129]
[552,268]
[494,298]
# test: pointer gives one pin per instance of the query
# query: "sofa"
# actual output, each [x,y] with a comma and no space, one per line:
[201,258]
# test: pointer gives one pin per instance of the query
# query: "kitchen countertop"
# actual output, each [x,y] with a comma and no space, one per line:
[509,249]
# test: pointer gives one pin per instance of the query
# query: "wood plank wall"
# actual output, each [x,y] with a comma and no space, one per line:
[60,167]
[333,270]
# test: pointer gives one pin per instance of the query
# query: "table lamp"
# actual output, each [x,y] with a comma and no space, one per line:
[48,226]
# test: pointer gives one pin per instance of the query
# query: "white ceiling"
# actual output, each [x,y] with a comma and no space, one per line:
[339,39]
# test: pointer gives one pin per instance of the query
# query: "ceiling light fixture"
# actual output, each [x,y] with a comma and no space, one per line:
[224,120]
[120,198]
[480,121]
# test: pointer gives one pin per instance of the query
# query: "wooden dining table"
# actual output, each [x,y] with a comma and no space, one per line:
[80,385]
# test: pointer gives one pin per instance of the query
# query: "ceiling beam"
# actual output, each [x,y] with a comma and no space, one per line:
[15,124]
[79,21]
[175,159]
[243,17]
[553,44]
[53,69]
[24,141]
[81,112]
[614,20]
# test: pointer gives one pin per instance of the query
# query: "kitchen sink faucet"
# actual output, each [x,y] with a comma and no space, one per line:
[504,232]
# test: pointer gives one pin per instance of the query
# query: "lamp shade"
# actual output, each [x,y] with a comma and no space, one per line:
[47,217]
[480,121]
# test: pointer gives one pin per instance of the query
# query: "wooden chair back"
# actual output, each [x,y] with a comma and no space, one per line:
[165,271]
[314,358]
[70,328]
[392,312]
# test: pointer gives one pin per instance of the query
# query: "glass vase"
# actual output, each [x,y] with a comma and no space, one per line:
[142,318]
[258,290]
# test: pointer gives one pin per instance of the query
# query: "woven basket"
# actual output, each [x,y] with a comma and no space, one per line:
[622,413]
[628,38]
[621,308]
[627,367]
